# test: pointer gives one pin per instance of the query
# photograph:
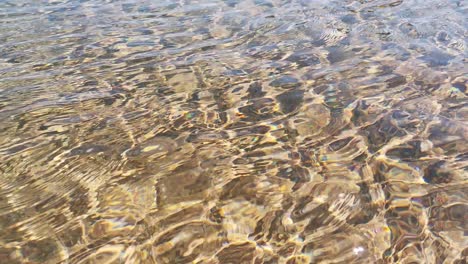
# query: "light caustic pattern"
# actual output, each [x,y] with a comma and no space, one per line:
[235,131]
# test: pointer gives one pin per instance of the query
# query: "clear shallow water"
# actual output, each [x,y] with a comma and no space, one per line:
[233,131]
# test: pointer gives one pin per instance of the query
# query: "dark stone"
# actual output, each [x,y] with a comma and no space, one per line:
[442,36]
[255,90]
[90,83]
[411,152]
[336,54]
[232,3]
[435,174]
[286,82]
[460,86]
[304,60]
[140,43]
[263,3]
[108,100]
[128,7]
[349,19]
[409,29]
[381,132]
[290,101]
[145,31]
[39,251]
[13,60]
[437,58]
[320,216]
[339,144]
[79,201]
[295,174]
[259,108]
[395,81]
[458,212]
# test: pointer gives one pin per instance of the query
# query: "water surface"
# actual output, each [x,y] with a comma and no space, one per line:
[235,131]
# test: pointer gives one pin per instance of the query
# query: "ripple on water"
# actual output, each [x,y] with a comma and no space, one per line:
[233,131]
